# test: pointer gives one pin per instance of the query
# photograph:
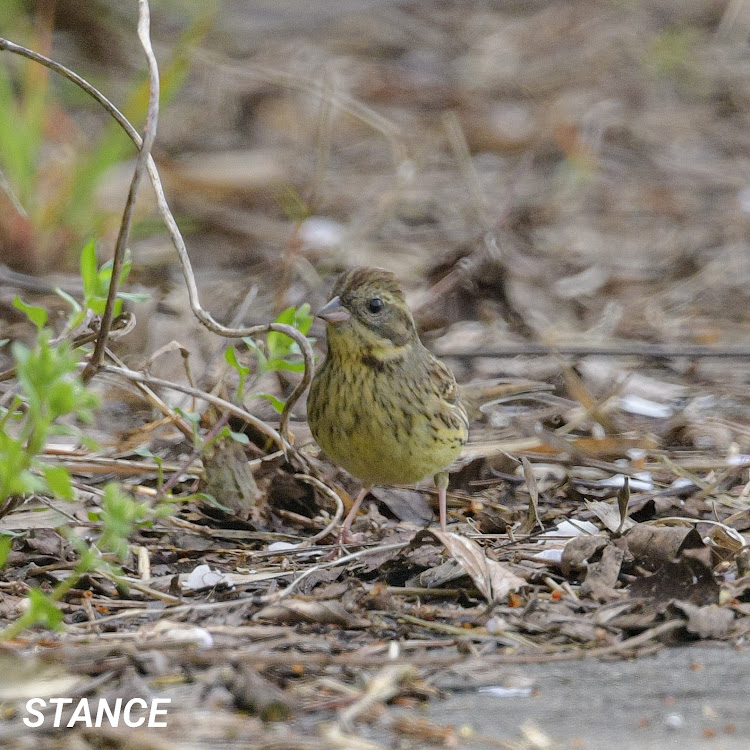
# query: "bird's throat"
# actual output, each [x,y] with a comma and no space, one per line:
[365,347]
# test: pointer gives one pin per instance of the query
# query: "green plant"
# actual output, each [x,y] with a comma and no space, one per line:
[120,515]
[277,353]
[96,282]
[50,389]
[50,392]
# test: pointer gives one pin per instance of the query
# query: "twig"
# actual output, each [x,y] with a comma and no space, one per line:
[123,237]
[624,349]
[194,456]
[138,586]
[329,493]
[380,688]
[249,600]
[179,243]
[258,424]
[179,422]
[330,563]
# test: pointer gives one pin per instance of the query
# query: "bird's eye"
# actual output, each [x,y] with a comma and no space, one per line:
[375,305]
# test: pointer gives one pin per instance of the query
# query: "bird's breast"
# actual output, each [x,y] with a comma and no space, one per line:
[381,423]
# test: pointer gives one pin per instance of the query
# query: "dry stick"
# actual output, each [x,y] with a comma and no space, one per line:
[358,659]
[123,237]
[625,349]
[171,483]
[182,253]
[258,424]
[157,403]
[138,586]
[244,601]
[329,493]
[123,325]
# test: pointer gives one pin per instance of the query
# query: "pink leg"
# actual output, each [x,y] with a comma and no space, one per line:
[344,535]
[441,482]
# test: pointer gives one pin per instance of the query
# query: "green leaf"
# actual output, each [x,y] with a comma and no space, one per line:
[37,315]
[230,355]
[279,344]
[210,499]
[89,272]
[293,205]
[262,359]
[58,481]
[121,514]
[284,364]
[134,296]
[127,264]
[191,416]
[6,542]
[303,319]
[239,437]
[277,403]
[88,442]
[72,301]
[158,460]
[146,453]
[42,610]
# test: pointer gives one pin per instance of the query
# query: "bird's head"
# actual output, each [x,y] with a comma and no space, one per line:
[367,315]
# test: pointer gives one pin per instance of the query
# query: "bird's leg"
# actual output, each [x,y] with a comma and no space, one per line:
[441,482]
[344,535]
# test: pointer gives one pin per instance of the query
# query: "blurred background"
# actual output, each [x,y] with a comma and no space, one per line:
[560,171]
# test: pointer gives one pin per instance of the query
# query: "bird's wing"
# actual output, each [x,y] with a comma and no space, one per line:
[443,382]
[445,386]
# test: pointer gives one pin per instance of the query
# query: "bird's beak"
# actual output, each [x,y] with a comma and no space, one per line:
[334,312]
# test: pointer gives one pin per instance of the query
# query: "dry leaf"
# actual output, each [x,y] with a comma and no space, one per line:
[255,694]
[602,576]
[183,632]
[609,515]
[688,578]
[706,622]
[438,575]
[228,478]
[652,546]
[382,687]
[579,551]
[623,498]
[331,612]
[29,676]
[493,579]
[45,518]
[406,505]
[532,513]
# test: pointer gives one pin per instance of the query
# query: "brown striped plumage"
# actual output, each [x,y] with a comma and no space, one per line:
[381,405]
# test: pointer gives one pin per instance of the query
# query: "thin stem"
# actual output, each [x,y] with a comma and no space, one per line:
[123,237]
[178,241]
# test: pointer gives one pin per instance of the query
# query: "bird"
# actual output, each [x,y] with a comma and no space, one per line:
[381,405]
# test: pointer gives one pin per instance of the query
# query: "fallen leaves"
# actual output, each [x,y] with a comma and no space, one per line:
[494,580]
[330,612]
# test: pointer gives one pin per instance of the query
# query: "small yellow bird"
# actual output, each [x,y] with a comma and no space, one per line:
[381,405]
